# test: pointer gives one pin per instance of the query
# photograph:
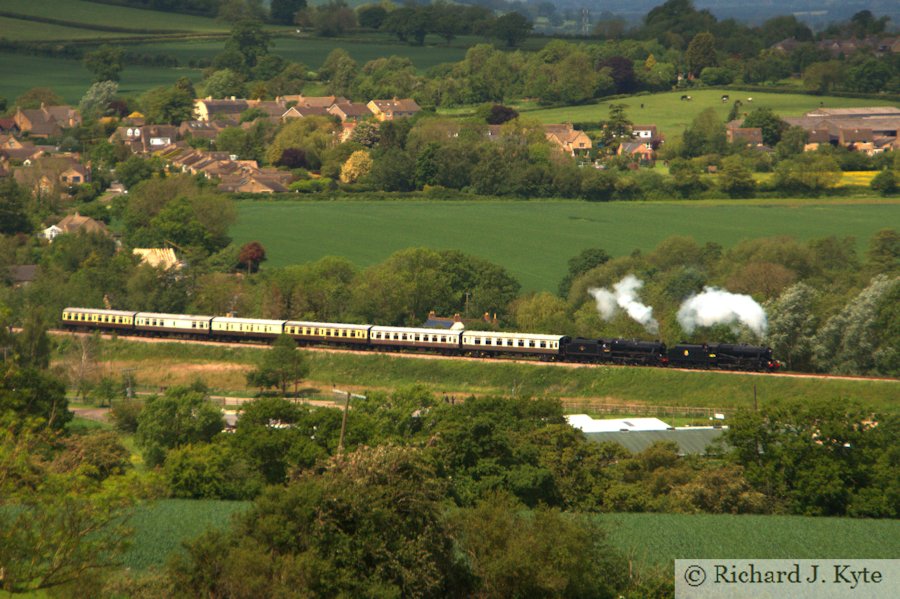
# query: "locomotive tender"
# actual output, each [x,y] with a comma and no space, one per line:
[451,342]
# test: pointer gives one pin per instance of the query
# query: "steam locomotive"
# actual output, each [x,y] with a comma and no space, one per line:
[450,342]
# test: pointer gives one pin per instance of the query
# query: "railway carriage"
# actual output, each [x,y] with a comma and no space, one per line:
[95,318]
[246,328]
[446,340]
[176,324]
[494,343]
[328,332]
[724,356]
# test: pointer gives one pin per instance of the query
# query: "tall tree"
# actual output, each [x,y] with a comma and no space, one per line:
[106,63]
[251,254]
[701,53]
[282,365]
[283,11]
[13,212]
[512,28]
[182,416]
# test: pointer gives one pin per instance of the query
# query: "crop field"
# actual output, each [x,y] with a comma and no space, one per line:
[656,540]
[223,369]
[88,13]
[535,239]
[69,78]
[672,116]
[30,31]
[161,527]
[651,540]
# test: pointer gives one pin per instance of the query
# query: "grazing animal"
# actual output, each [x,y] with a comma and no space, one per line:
[724,98]
[683,98]
[749,99]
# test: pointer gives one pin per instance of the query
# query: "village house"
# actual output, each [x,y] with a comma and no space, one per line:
[640,151]
[302,101]
[145,139]
[299,112]
[201,129]
[570,140]
[74,223]
[49,176]
[748,136]
[8,126]
[163,258]
[388,110]
[14,150]
[350,111]
[46,121]
[23,275]
[229,110]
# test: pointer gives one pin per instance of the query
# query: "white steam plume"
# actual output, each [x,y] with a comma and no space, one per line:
[624,296]
[717,306]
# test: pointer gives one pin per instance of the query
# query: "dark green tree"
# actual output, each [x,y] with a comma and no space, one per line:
[182,416]
[105,63]
[586,260]
[512,28]
[282,365]
[369,524]
[283,11]
[13,208]
[167,105]
[250,40]
[29,393]
[771,124]
[701,53]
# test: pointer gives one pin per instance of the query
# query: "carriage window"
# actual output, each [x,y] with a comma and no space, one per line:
[521,343]
[543,344]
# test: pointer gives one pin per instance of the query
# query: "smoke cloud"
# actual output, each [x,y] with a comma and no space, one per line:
[717,306]
[624,297]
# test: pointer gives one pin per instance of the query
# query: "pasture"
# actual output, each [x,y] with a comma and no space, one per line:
[535,239]
[651,540]
[106,15]
[69,78]
[672,115]
[31,31]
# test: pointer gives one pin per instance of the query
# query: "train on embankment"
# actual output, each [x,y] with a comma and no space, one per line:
[449,342]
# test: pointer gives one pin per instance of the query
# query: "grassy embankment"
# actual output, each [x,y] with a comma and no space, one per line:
[535,239]
[223,369]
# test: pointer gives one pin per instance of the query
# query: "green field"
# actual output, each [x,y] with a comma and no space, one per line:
[535,239]
[69,78]
[92,13]
[651,540]
[161,527]
[671,115]
[31,31]
[659,539]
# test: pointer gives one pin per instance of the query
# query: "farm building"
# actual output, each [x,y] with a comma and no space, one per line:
[637,434]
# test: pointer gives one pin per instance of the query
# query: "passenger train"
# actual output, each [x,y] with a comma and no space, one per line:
[450,342]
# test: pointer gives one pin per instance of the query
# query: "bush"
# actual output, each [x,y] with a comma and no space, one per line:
[885,183]
[125,413]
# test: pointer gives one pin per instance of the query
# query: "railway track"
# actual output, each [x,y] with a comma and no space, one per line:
[425,356]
